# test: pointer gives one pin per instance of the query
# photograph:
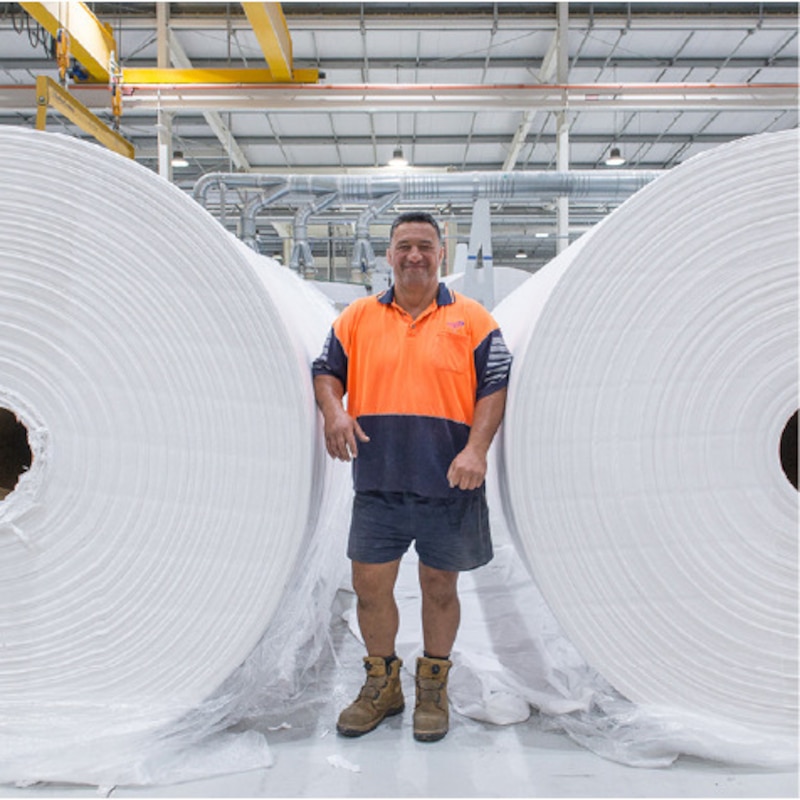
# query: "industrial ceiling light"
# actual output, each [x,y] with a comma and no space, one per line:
[521,254]
[398,159]
[541,234]
[615,158]
[178,160]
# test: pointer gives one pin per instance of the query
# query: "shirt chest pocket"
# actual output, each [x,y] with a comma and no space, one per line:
[452,352]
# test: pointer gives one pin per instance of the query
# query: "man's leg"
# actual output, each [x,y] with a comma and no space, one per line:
[381,695]
[441,613]
[441,610]
[377,612]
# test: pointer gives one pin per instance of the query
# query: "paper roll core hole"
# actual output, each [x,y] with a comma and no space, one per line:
[15,451]
[788,450]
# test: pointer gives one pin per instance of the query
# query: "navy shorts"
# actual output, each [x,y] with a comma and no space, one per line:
[449,533]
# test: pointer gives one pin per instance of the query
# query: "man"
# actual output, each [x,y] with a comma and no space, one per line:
[425,372]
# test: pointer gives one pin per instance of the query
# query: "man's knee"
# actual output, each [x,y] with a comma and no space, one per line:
[438,586]
[373,583]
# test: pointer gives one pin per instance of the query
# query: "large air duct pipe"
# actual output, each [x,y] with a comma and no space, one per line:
[465,186]
[250,212]
[301,259]
[363,255]
[437,186]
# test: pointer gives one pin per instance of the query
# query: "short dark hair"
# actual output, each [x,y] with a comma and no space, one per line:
[415,216]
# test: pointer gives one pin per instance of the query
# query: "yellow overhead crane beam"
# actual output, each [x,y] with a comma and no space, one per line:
[81,35]
[49,93]
[139,76]
[90,41]
[269,26]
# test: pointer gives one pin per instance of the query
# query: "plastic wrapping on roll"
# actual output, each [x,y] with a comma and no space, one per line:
[655,374]
[177,473]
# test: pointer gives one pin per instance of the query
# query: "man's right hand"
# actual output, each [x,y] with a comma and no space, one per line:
[342,434]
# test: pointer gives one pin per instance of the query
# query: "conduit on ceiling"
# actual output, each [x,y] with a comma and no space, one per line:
[417,97]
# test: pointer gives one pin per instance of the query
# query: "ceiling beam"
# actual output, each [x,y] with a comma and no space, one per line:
[365,140]
[541,17]
[205,145]
[212,118]
[272,33]
[431,97]
[545,74]
[459,63]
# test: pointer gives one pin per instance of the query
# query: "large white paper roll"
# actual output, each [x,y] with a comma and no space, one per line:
[655,372]
[169,412]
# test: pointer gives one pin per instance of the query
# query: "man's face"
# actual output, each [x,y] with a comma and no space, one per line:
[415,254]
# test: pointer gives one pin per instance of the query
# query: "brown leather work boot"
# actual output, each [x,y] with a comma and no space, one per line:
[431,713]
[381,696]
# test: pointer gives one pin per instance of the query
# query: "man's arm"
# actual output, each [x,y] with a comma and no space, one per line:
[468,468]
[341,430]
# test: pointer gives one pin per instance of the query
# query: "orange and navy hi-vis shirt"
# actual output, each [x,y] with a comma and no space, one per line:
[413,384]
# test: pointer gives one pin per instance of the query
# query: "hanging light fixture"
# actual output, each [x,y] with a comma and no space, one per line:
[521,254]
[398,159]
[615,158]
[178,159]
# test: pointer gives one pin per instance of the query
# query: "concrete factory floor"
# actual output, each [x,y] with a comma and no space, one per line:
[476,759]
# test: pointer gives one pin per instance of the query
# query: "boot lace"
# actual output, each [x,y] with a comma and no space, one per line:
[371,690]
[430,691]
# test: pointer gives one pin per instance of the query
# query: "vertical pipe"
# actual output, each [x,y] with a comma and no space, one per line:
[164,119]
[562,125]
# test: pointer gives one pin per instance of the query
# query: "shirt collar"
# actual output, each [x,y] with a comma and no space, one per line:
[444,297]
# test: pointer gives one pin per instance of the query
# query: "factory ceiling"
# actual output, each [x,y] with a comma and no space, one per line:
[458,87]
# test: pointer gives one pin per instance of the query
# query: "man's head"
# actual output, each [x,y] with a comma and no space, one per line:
[415,253]
[416,216]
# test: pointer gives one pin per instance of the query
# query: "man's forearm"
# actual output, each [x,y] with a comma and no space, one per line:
[486,420]
[329,394]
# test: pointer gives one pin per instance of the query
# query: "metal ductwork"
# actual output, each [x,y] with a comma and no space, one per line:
[248,231]
[379,192]
[437,186]
[363,258]
[301,259]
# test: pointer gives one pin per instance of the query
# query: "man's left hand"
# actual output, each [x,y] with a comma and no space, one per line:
[467,470]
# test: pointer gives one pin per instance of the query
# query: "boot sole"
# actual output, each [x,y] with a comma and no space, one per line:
[429,737]
[354,732]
